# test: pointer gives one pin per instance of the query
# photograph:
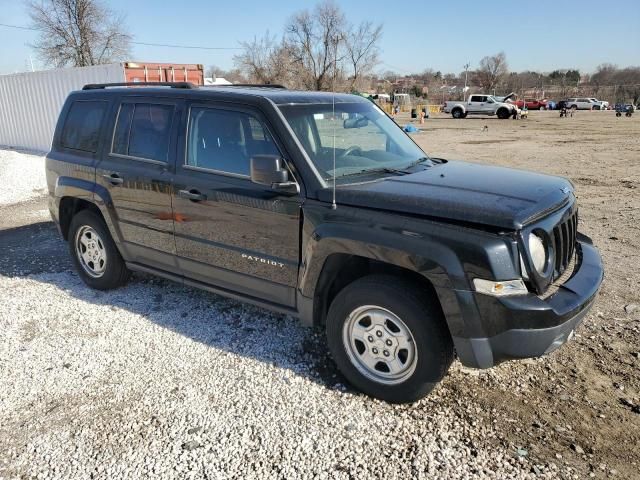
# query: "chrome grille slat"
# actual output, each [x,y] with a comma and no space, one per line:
[557,244]
[564,239]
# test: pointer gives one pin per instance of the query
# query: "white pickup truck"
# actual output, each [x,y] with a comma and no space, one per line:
[480,104]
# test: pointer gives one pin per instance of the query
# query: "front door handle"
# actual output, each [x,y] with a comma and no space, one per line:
[192,194]
[113,179]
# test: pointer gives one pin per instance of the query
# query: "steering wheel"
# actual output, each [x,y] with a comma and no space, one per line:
[351,150]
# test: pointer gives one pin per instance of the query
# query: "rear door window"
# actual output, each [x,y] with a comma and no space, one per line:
[143,131]
[81,130]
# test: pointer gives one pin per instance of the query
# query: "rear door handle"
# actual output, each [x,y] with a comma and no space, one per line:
[192,194]
[113,179]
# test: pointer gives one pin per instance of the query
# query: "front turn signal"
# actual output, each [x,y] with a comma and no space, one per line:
[503,288]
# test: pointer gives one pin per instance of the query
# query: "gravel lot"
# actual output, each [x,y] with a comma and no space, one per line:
[158,380]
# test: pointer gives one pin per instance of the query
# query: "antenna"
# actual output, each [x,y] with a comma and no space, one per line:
[333,117]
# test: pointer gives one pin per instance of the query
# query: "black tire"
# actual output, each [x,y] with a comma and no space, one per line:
[457,113]
[115,271]
[465,114]
[503,113]
[421,314]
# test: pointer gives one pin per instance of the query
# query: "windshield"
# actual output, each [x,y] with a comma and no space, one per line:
[366,140]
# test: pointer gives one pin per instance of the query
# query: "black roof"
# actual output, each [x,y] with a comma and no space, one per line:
[276,94]
[283,96]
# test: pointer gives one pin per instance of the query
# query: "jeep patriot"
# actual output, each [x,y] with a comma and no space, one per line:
[319,206]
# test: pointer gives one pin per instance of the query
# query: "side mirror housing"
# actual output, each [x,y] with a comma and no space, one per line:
[355,122]
[269,171]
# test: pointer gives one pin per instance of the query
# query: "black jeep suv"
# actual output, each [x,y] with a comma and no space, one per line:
[319,206]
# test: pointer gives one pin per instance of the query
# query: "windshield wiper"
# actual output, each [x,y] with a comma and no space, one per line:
[418,162]
[375,170]
[397,171]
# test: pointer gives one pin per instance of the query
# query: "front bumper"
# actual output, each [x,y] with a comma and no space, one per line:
[528,326]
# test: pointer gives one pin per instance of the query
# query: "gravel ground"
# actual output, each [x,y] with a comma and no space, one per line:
[158,380]
[25,175]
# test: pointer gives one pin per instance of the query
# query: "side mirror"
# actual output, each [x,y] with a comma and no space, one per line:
[268,170]
[356,122]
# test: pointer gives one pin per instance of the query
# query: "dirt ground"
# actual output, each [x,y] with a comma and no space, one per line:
[581,405]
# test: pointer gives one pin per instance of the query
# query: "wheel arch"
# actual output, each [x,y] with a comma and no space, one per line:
[342,269]
[73,195]
[69,208]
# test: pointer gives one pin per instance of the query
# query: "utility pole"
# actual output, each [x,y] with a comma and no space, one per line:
[464,93]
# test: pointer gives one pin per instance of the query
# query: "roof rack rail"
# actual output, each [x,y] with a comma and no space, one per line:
[98,86]
[256,85]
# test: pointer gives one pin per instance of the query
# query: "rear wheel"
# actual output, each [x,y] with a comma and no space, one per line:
[389,338]
[94,253]
[457,113]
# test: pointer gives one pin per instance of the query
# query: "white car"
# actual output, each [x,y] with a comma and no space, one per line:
[602,105]
[586,104]
[481,104]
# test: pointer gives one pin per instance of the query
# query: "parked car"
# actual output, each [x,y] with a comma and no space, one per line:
[532,104]
[480,104]
[586,104]
[599,104]
[319,206]
[624,108]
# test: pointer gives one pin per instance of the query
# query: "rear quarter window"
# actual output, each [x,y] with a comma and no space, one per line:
[81,130]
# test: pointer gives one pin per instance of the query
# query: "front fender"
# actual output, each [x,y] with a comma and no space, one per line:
[449,256]
[435,261]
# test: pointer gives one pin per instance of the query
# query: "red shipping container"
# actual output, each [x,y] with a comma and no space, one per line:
[163,72]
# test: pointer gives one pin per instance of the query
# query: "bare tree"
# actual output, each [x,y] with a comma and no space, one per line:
[314,41]
[78,32]
[361,46]
[265,60]
[492,70]
[604,75]
[235,75]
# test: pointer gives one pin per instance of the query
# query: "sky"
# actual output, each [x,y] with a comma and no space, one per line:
[444,35]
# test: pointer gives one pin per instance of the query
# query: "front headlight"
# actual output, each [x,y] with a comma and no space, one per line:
[538,251]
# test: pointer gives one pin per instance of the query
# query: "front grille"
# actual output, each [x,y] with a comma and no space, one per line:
[564,243]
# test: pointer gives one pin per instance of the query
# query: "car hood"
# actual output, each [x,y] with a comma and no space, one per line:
[462,191]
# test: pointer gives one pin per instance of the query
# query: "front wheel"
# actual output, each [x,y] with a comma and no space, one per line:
[458,113]
[389,338]
[94,253]
[503,113]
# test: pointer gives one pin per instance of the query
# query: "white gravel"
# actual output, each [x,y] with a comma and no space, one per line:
[22,176]
[158,380]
